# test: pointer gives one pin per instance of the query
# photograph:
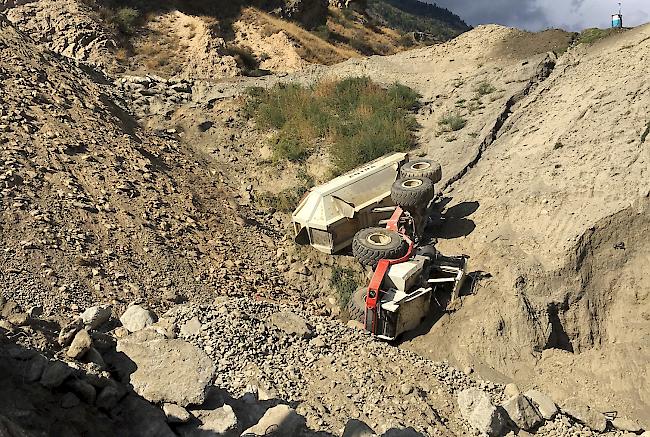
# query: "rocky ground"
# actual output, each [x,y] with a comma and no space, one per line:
[149,295]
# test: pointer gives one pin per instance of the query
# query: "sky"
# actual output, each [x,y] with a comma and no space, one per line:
[535,15]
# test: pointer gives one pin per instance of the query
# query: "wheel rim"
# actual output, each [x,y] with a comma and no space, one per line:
[421,166]
[378,239]
[412,183]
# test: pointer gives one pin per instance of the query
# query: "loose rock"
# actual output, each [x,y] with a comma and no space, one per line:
[55,373]
[136,318]
[291,323]
[168,370]
[544,404]
[585,414]
[175,413]
[283,419]
[357,428]
[96,316]
[522,412]
[80,345]
[478,410]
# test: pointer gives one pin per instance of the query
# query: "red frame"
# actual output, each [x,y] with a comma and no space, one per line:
[382,269]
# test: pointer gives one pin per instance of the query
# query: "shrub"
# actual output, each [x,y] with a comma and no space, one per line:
[485,88]
[126,20]
[645,134]
[452,121]
[344,280]
[358,119]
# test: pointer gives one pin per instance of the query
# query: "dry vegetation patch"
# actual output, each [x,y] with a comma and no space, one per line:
[356,118]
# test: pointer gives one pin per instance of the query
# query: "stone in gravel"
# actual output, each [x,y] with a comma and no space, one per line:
[406,432]
[623,424]
[282,418]
[191,328]
[544,404]
[96,316]
[221,422]
[69,400]
[476,407]
[80,345]
[93,356]
[522,412]
[291,323]
[108,397]
[68,332]
[355,324]
[142,419]
[18,319]
[167,370]
[406,389]
[55,373]
[136,318]
[585,414]
[175,413]
[356,428]
[83,390]
[34,368]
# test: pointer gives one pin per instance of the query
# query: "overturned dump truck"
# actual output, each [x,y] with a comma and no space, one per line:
[381,210]
[331,214]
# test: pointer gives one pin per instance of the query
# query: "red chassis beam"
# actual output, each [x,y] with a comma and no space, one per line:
[372,297]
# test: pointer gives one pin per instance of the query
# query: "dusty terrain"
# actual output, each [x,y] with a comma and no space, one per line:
[143,190]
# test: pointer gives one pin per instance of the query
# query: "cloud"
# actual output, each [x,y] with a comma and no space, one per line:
[541,14]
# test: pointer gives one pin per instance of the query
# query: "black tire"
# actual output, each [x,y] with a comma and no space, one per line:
[422,168]
[371,245]
[412,193]
[357,305]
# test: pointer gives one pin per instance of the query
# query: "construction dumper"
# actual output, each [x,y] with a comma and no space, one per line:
[329,215]
[382,211]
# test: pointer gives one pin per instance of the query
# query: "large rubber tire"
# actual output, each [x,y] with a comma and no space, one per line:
[412,193]
[422,168]
[371,245]
[357,305]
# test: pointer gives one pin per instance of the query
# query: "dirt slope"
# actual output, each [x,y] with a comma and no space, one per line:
[94,209]
[561,204]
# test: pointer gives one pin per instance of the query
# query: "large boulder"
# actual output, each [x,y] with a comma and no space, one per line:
[522,412]
[585,414]
[477,408]
[167,370]
[544,404]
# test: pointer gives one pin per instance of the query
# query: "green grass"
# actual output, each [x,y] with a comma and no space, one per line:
[356,118]
[645,134]
[590,36]
[344,280]
[452,121]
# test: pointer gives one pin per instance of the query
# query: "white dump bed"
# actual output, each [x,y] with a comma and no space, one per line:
[330,214]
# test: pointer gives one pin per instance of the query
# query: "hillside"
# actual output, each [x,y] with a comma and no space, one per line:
[203,40]
[432,22]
